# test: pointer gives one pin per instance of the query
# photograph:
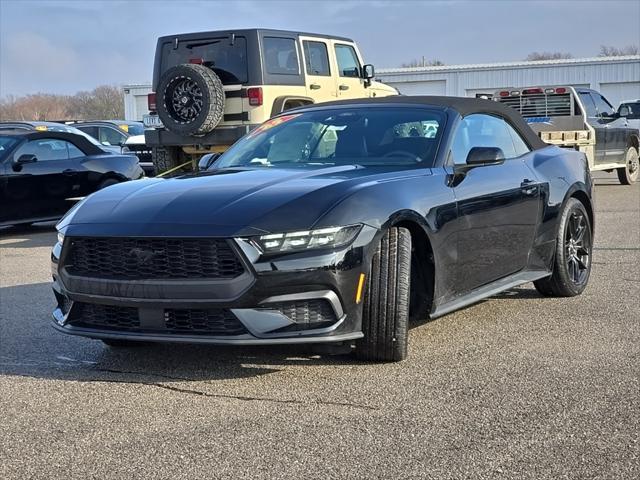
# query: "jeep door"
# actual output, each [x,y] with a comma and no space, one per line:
[349,69]
[320,69]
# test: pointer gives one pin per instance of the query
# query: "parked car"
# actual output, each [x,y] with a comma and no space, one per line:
[42,173]
[630,109]
[127,136]
[580,119]
[330,223]
[42,126]
[210,88]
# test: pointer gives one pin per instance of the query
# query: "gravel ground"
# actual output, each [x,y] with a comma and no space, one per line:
[518,386]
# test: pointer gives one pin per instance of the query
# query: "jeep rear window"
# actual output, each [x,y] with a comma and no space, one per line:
[228,61]
[280,56]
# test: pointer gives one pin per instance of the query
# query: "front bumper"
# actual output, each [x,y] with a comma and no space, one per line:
[306,297]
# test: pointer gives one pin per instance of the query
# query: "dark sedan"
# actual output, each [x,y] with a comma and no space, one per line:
[335,223]
[43,172]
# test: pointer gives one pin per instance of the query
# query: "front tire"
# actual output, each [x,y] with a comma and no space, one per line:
[385,315]
[629,174]
[574,246]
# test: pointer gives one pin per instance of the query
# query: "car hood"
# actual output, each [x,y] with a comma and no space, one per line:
[226,202]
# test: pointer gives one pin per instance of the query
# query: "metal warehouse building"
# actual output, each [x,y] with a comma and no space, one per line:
[617,78]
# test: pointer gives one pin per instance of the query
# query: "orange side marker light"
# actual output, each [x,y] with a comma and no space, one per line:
[359,291]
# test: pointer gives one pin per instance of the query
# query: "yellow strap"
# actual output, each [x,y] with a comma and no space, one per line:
[174,169]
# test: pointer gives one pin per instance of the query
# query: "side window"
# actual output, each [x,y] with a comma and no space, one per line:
[316,58]
[74,152]
[111,136]
[518,143]
[91,131]
[280,55]
[479,130]
[45,150]
[589,104]
[604,108]
[348,64]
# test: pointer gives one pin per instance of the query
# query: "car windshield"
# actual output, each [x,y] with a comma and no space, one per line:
[6,144]
[367,136]
[634,110]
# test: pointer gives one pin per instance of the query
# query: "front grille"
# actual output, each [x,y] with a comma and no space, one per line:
[307,314]
[215,322]
[104,317]
[143,152]
[152,258]
[210,322]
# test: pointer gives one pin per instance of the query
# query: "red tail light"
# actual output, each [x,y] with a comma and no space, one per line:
[561,90]
[504,94]
[196,61]
[531,91]
[255,96]
[151,101]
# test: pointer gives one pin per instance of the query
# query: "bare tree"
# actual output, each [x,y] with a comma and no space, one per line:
[532,57]
[103,103]
[423,62]
[608,51]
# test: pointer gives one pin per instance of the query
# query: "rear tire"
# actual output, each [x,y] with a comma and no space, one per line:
[629,174]
[165,158]
[574,247]
[385,315]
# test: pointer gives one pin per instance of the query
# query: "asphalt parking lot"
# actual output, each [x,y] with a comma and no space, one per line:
[518,386]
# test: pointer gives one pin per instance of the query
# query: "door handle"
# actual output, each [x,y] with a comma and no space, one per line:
[529,187]
[315,86]
[344,87]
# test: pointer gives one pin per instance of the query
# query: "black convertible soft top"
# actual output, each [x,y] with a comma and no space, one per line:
[79,141]
[464,106]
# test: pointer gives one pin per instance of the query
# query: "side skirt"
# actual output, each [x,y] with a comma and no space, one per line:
[489,290]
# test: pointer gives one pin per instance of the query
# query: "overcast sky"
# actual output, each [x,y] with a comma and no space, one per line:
[66,46]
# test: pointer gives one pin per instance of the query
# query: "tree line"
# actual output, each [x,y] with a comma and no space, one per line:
[105,102]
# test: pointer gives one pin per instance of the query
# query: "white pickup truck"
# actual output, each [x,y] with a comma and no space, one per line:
[580,119]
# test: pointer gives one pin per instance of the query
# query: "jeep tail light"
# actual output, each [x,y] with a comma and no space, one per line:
[151,101]
[255,96]
[196,61]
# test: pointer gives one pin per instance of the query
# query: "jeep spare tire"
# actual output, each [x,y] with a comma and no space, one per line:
[190,99]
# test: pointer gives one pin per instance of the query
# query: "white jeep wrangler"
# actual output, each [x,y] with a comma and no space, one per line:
[211,88]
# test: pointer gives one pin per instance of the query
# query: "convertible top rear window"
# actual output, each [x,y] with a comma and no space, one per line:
[358,136]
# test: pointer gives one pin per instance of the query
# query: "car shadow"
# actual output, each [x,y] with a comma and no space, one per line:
[37,235]
[30,347]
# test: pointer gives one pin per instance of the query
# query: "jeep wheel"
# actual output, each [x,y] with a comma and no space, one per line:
[190,99]
[385,316]
[165,158]
[629,174]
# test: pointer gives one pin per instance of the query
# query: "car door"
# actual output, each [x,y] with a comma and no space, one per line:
[40,188]
[498,205]
[594,120]
[350,82]
[320,78]
[615,130]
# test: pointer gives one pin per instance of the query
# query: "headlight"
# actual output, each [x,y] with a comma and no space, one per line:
[330,237]
[60,238]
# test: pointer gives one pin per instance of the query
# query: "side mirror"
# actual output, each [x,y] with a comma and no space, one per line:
[368,72]
[207,160]
[624,111]
[482,156]
[26,158]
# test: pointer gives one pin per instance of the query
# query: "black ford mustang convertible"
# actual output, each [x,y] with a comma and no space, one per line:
[339,222]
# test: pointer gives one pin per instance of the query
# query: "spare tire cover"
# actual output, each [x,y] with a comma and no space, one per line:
[190,99]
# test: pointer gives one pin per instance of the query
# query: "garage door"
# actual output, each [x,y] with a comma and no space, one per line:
[142,107]
[438,87]
[617,92]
